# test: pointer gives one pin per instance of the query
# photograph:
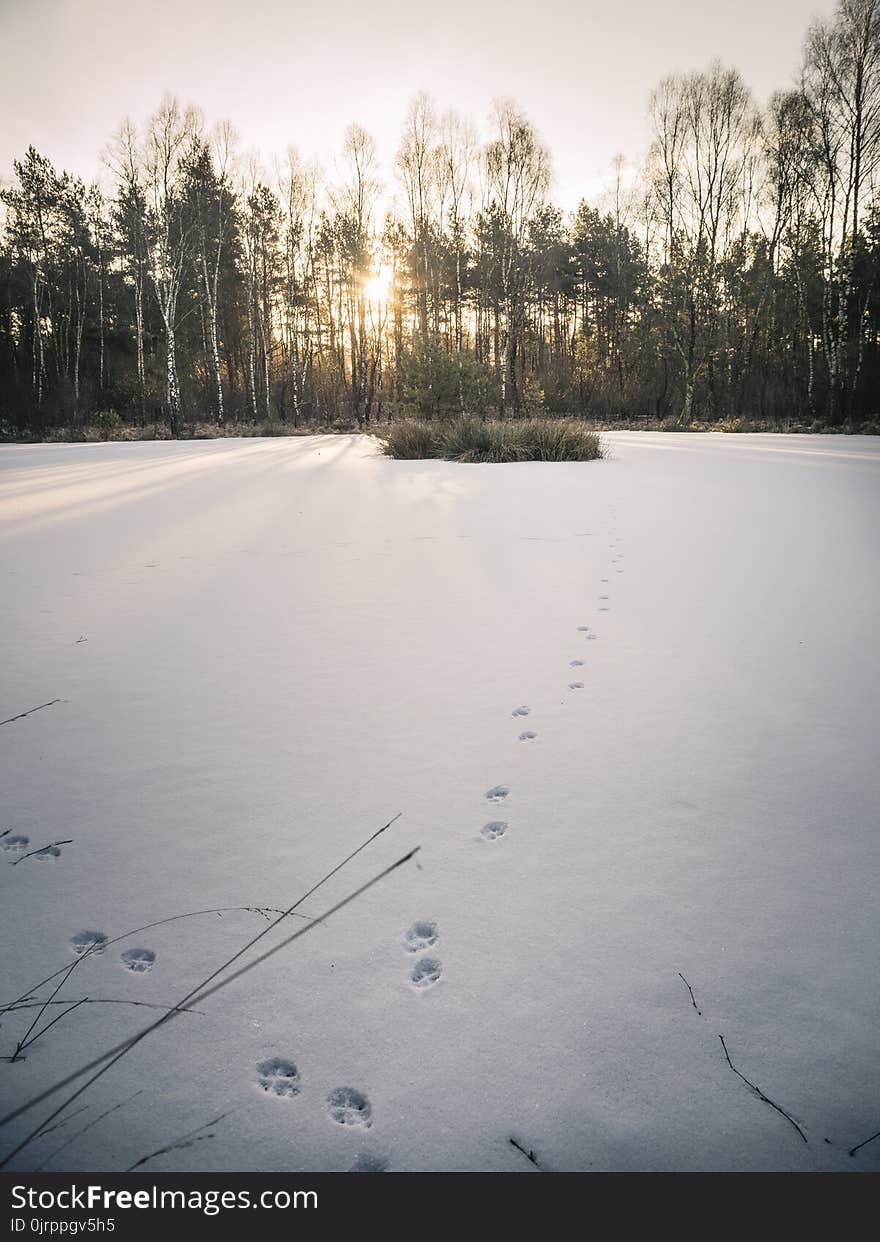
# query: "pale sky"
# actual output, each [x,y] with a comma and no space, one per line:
[288,73]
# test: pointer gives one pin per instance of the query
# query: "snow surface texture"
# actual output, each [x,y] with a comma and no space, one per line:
[254,653]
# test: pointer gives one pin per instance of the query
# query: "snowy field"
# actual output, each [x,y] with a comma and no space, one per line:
[261,651]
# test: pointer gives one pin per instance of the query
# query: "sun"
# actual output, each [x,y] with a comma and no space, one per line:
[377,286]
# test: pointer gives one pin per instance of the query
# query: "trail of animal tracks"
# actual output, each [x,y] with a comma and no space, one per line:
[626,708]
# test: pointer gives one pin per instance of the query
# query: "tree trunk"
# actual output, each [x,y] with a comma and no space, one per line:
[173,385]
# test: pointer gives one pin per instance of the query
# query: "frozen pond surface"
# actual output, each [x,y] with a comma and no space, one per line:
[265,649]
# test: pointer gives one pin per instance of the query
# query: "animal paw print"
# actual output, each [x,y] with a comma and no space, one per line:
[139,961]
[348,1107]
[420,936]
[278,1076]
[425,973]
[88,942]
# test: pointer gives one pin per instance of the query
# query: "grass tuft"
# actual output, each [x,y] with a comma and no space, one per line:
[473,440]
[410,440]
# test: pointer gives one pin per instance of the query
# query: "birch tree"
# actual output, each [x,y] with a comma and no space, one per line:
[299,200]
[704,129]
[841,81]
[454,159]
[168,234]
[517,176]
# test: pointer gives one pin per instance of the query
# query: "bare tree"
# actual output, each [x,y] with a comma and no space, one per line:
[102,238]
[841,81]
[417,169]
[169,135]
[354,200]
[299,188]
[517,177]
[454,160]
[705,128]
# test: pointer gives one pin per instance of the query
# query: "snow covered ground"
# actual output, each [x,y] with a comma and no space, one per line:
[263,650]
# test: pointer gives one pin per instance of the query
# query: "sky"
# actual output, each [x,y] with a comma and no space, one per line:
[289,73]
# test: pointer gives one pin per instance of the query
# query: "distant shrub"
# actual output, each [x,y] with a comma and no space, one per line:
[274,429]
[95,435]
[106,421]
[533,398]
[472,440]
[235,429]
[433,383]
[112,427]
[152,431]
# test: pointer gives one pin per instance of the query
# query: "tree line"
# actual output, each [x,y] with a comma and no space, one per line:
[734,277]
